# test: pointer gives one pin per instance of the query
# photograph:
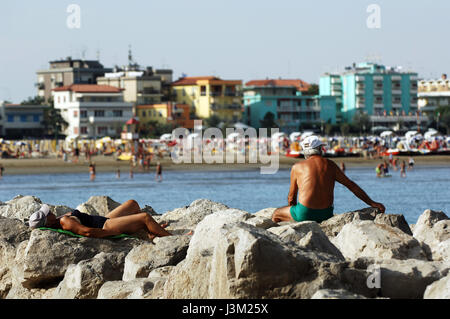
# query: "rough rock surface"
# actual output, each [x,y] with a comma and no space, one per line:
[231,254]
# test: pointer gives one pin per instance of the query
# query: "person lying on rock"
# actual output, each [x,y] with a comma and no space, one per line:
[125,219]
[313,180]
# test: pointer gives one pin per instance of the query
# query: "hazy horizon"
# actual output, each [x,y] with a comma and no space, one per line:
[230,39]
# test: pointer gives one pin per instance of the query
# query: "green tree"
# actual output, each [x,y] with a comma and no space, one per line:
[268,121]
[361,122]
[36,100]
[53,122]
[345,129]
[312,90]
[213,121]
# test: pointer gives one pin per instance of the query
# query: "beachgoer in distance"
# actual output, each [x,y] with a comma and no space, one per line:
[403,169]
[313,180]
[343,167]
[379,170]
[125,219]
[158,172]
[92,171]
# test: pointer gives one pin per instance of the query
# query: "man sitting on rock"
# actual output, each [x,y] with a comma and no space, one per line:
[125,219]
[313,180]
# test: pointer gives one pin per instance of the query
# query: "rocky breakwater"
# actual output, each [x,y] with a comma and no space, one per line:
[231,254]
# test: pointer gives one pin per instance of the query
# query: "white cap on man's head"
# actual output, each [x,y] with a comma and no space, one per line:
[39,218]
[311,142]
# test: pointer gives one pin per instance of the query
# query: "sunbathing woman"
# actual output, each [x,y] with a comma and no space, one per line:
[125,219]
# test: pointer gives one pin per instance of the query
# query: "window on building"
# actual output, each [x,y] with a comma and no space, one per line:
[143,114]
[117,113]
[36,118]
[75,130]
[75,113]
[99,113]
[10,118]
[203,90]
[102,130]
[83,130]
[83,114]
[23,118]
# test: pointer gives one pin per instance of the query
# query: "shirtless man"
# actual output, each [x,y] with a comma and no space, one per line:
[313,180]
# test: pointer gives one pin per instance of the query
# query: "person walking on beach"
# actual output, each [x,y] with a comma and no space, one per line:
[313,181]
[125,219]
[158,176]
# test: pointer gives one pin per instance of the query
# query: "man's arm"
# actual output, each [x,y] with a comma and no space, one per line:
[355,189]
[72,225]
[293,189]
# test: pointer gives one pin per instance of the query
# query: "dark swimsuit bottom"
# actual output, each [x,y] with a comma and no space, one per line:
[89,220]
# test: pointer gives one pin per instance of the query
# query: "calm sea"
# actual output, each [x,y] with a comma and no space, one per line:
[424,187]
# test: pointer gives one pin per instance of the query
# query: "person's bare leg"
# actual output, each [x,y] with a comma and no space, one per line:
[282,214]
[130,207]
[134,223]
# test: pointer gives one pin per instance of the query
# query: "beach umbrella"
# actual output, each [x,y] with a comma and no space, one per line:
[294,136]
[306,134]
[241,126]
[410,134]
[386,133]
[166,137]
[233,135]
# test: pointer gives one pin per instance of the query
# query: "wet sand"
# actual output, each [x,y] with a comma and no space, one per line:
[109,164]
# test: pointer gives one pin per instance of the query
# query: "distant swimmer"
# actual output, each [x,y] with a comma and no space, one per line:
[118,173]
[313,181]
[379,170]
[1,170]
[403,169]
[343,167]
[158,176]
[92,171]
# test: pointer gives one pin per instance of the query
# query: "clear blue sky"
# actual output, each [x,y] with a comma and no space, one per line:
[233,39]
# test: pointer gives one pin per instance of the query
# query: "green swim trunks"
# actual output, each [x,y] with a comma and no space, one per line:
[302,213]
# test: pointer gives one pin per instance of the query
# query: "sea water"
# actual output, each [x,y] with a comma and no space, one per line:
[423,188]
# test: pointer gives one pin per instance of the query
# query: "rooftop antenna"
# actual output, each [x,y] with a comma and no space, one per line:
[98,54]
[130,56]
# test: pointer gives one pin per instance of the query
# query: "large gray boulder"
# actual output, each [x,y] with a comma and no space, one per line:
[307,235]
[335,294]
[379,241]
[139,288]
[440,289]
[187,218]
[433,229]
[228,258]
[165,251]
[408,279]
[47,255]
[102,205]
[83,280]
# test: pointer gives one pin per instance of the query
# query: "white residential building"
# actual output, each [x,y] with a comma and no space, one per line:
[92,110]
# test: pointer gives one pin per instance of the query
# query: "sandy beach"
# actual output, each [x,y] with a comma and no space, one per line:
[109,164]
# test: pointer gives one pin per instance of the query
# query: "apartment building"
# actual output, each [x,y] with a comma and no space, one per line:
[287,101]
[68,71]
[19,121]
[92,110]
[434,94]
[210,95]
[387,94]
